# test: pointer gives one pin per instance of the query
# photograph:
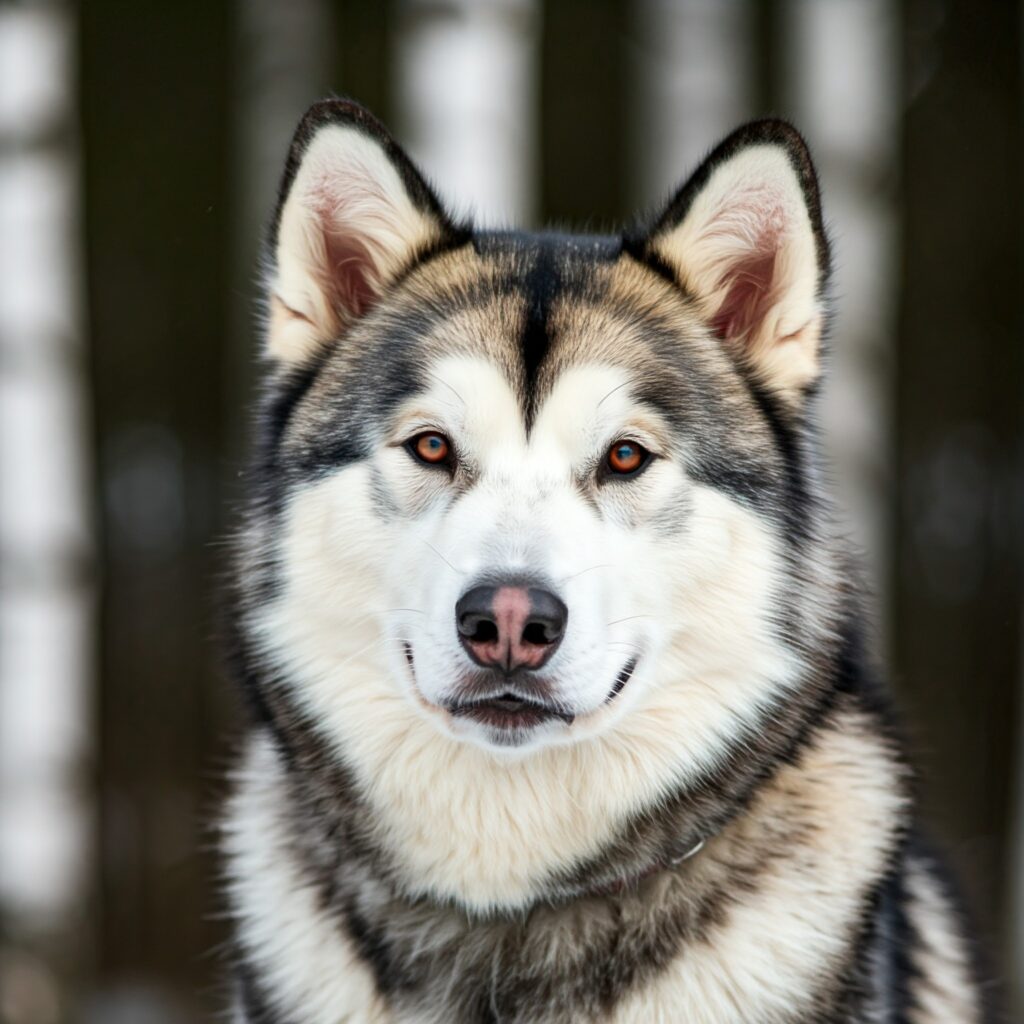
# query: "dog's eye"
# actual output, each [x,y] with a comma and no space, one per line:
[627,458]
[432,448]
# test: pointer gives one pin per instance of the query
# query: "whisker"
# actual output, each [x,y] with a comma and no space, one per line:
[628,618]
[443,559]
[566,579]
[374,612]
[379,641]
[441,380]
[618,387]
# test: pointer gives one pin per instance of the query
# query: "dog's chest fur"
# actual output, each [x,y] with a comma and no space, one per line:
[771,921]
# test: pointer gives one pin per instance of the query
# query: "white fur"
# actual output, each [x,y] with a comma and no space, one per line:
[945,991]
[466,819]
[345,187]
[761,962]
[297,950]
[752,197]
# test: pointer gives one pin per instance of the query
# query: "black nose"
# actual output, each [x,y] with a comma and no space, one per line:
[510,626]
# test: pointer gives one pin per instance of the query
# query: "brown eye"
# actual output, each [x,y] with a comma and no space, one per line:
[627,457]
[431,448]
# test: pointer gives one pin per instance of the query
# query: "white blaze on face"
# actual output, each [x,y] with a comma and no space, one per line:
[533,509]
[362,577]
[523,516]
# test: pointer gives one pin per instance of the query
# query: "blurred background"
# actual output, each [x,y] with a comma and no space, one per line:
[140,145]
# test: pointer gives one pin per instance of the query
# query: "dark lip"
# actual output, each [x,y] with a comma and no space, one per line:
[509,710]
[621,679]
[505,709]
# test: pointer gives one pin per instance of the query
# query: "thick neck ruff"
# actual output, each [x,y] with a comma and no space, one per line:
[631,882]
[830,813]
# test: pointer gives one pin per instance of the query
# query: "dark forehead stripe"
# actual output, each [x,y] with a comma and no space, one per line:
[543,283]
[550,266]
[382,359]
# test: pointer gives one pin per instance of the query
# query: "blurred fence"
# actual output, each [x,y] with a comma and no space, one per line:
[139,150]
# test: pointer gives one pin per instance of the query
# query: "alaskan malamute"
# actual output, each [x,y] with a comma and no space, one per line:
[560,707]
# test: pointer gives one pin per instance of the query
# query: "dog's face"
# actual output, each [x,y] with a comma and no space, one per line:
[526,485]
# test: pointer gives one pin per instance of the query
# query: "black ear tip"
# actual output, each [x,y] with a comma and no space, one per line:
[769,131]
[342,112]
[333,110]
[337,111]
[774,131]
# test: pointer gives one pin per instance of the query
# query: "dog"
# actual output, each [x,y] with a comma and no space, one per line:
[561,710]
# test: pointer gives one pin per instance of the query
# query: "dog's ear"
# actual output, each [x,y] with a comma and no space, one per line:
[353,214]
[744,238]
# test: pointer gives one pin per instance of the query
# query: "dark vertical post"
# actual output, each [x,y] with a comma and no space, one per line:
[154,91]
[363,68]
[584,96]
[770,49]
[960,525]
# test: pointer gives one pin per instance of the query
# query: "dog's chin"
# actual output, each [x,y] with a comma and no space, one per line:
[507,735]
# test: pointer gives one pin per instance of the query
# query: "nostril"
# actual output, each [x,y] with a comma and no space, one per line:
[541,633]
[480,631]
[475,619]
[545,625]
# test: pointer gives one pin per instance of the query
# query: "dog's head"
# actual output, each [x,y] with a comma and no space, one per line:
[533,487]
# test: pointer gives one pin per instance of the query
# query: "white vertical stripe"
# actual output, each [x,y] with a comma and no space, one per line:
[466,79]
[46,592]
[841,87]
[692,72]
[283,57]
[694,67]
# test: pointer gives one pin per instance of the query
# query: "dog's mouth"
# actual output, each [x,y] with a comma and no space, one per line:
[510,710]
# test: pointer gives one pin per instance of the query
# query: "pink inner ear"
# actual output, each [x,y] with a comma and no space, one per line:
[748,299]
[349,273]
[752,234]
